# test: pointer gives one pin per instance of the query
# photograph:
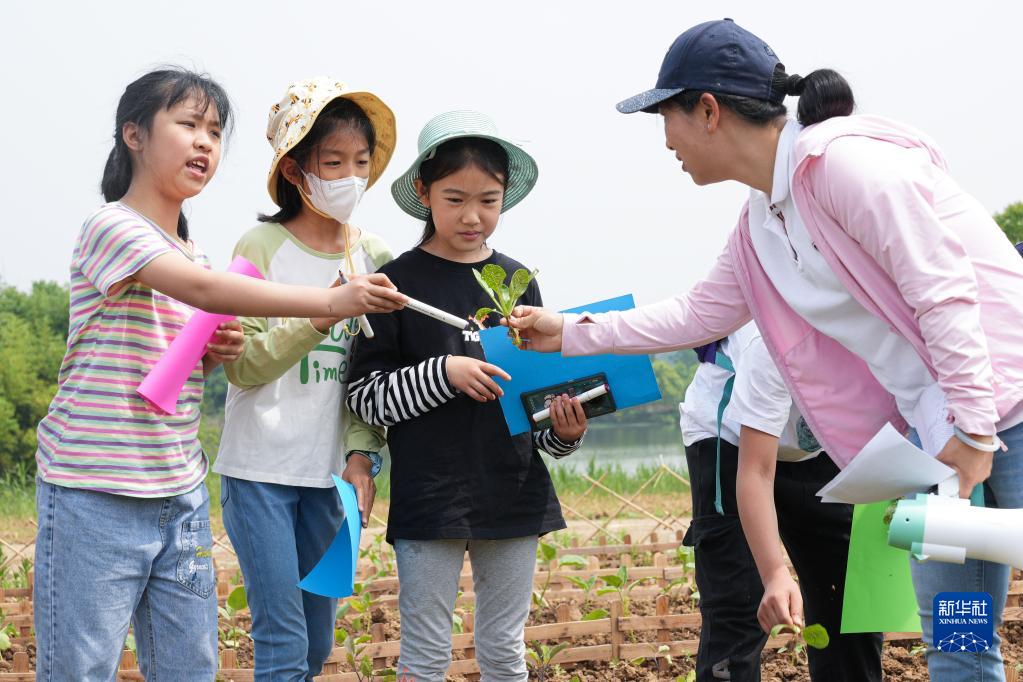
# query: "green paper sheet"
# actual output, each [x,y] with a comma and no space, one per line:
[879,593]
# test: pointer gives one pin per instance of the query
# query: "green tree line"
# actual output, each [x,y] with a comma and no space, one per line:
[33,338]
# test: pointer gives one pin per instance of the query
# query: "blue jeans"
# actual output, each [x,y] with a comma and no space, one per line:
[105,560]
[280,532]
[1003,489]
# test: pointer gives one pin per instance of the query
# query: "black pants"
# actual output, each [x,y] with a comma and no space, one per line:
[816,537]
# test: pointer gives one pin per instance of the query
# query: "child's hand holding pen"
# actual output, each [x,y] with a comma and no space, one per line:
[363,321]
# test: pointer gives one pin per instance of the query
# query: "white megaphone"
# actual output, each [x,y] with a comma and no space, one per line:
[948,528]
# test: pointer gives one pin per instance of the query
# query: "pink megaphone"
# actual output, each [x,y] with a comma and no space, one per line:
[163,384]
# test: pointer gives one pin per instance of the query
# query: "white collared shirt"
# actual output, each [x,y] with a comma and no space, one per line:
[759,399]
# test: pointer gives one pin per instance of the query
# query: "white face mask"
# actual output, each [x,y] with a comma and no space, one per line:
[335,198]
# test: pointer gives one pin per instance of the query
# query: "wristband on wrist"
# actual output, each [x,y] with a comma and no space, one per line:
[994,446]
[375,459]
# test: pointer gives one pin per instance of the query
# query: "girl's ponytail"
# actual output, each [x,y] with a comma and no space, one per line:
[117,172]
[142,99]
[823,94]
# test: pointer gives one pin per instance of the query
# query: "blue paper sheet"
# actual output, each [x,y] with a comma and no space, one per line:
[334,575]
[631,377]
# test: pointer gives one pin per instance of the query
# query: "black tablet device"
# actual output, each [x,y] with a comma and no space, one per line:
[539,399]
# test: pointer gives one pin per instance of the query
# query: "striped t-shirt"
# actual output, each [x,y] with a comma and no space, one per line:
[99,434]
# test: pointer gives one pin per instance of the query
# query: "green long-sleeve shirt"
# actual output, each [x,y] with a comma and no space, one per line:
[285,419]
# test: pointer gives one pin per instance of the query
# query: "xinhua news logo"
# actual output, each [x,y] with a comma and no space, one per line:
[963,622]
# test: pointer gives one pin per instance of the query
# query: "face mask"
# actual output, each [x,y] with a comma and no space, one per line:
[334,198]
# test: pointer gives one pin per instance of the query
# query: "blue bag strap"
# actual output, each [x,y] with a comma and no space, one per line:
[722,361]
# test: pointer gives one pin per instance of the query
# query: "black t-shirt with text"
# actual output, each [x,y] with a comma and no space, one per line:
[455,470]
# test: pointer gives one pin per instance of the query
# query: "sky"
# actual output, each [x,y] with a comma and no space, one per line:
[612,212]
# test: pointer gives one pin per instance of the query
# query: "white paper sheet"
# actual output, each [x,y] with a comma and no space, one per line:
[887,467]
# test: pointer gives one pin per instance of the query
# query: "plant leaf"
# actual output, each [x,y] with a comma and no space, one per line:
[782,627]
[601,591]
[237,599]
[596,614]
[486,287]
[557,649]
[578,582]
[548,552]
[520,282]
[612,580]
[573,560]
[494,275]
[816,635]
[482,313]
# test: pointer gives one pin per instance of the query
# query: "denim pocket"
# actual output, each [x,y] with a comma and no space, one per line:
[195,562]
[225,492]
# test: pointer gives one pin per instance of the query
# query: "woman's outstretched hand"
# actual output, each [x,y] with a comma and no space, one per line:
[539,328]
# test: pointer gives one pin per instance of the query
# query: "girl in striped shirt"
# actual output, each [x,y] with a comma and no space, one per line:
[124,531]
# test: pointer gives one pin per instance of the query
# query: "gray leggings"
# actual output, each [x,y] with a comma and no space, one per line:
[502,574]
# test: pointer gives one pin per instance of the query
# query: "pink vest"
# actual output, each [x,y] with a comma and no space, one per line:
[834,389]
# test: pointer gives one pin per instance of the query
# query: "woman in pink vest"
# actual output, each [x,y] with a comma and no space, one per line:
[879,285]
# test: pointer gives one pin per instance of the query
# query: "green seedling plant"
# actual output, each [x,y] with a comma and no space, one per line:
[587,585]
[540,660]
[546,553]
[687,560]
[7,632]
[362,602]
[18,578]
[815,635]
[619,583]
[457,622]
[663,651]
[230,634]
[504,296]
[362,664]
[379,556]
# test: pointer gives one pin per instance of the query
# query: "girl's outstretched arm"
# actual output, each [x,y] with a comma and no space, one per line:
[224,292]
[754,491]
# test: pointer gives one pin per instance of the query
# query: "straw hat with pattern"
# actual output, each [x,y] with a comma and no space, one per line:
[293,117]
[522,171]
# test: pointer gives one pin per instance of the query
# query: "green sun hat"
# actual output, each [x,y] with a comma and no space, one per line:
[522,170]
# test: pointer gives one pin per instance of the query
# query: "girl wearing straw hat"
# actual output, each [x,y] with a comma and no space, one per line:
[879,285]
[458,480]
[286,429]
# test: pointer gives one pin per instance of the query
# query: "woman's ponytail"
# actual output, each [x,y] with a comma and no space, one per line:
[823,94]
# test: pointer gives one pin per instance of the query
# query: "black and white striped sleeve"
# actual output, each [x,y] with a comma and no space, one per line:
[549,442]
[386,398]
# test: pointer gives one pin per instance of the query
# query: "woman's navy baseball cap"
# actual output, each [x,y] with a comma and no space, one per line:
[716,56]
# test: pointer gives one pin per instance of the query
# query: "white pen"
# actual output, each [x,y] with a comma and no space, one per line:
[363,322]
[436,313]
[583,397]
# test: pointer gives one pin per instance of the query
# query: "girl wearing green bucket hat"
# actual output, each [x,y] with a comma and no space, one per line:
[458,480]
[287,391]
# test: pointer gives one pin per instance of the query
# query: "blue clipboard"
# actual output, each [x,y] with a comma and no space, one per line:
[334,574]
[631,377]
